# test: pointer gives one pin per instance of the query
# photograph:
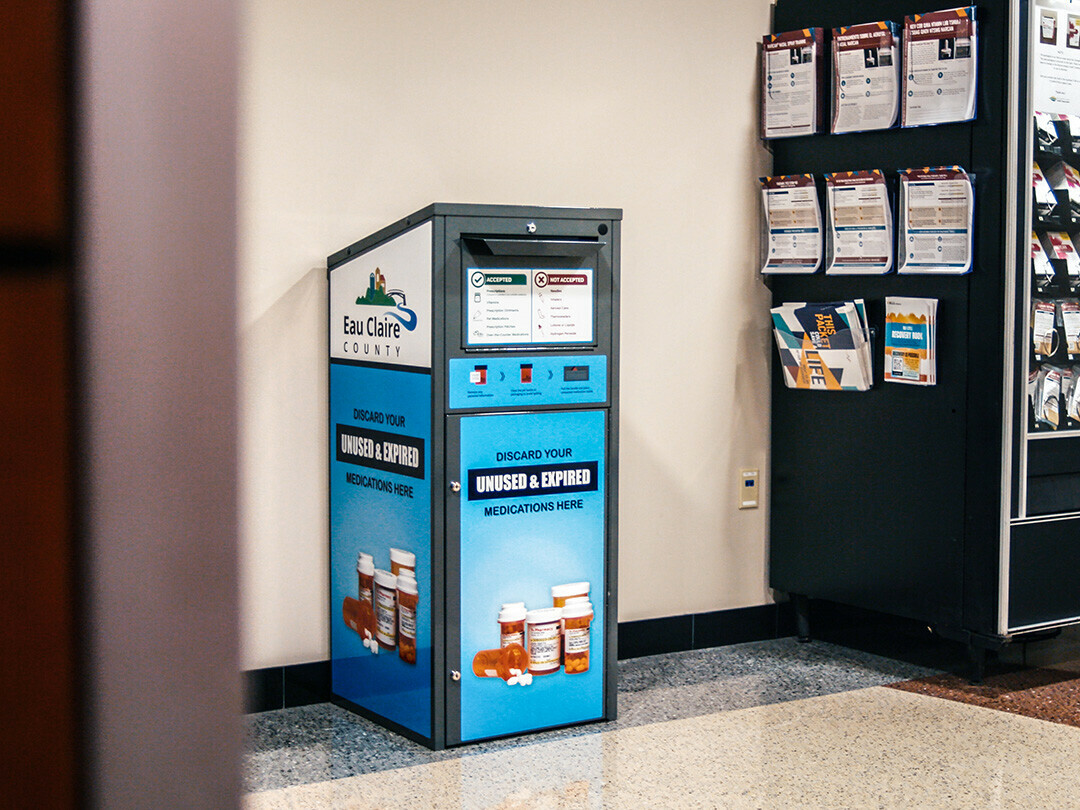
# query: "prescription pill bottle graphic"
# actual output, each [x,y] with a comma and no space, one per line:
[408,599]
[385,609]
[507,662]
[560,593]
[350,612]
[577,616]
[512,624]
[401,560]
[544,640]
[365,573]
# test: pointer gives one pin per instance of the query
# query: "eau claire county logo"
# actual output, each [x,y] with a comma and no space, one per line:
[393,317]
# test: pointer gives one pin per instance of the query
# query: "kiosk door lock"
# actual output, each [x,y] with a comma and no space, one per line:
[455,486]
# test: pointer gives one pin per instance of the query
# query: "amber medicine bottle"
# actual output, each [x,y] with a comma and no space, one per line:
[544,640]
[407,601]
[385,609]
[577,616]
[512,624]
[401,560]
[560,593]
[365,572]
[499,663]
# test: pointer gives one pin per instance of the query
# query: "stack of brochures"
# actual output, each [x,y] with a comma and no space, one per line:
[911,340]
[824,346]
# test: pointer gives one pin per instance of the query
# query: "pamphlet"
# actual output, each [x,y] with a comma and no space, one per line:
[860,223]
[1055,50]
[1044,337]
[1048,136]
[865,77]
[940,67]
[1072,397]
[792,73]
[911,340]
[937,208]
[1064,178]
[1048,396]
[1041,267]
[1058,245]
[1070,321]
[1045,201]
[792,232]
[824,347]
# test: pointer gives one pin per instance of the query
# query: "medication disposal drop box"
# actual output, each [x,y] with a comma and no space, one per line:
[473,416]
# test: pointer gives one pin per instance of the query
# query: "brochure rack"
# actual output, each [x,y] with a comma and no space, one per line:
[950,507]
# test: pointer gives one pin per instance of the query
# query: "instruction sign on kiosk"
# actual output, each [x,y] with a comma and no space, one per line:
[473,415]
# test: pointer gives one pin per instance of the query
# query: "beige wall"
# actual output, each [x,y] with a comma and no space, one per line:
[355,113]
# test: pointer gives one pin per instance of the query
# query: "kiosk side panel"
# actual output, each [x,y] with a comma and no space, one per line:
[380,481]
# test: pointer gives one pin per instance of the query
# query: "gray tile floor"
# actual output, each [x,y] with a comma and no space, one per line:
[317,744]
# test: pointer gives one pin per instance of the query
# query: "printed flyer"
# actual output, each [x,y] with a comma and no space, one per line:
[532,570]
[1055,48]
[792,71]
[940,67]
[860,223]
[866,77]
[937,209]
[792,230]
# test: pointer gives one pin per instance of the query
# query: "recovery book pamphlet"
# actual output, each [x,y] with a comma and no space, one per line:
[825,346]
[792,75]
[911,340]
[865,77]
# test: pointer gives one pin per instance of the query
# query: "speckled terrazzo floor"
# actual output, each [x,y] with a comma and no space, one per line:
[767,724]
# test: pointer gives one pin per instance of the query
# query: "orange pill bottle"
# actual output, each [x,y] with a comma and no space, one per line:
[577,617]
[401,560]
[544,636]
[385,609]
[499,663]
[512,624]
[407,601]
[365,573]
[560,593]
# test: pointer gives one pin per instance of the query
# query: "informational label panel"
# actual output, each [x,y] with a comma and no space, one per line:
[936,220]
[1055,49]
[792,230]
[532,519]
[529,306]
[791,76]
[866,77]
[499,382]
[380,499]
[380,303]
[860,223]
[940,67]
